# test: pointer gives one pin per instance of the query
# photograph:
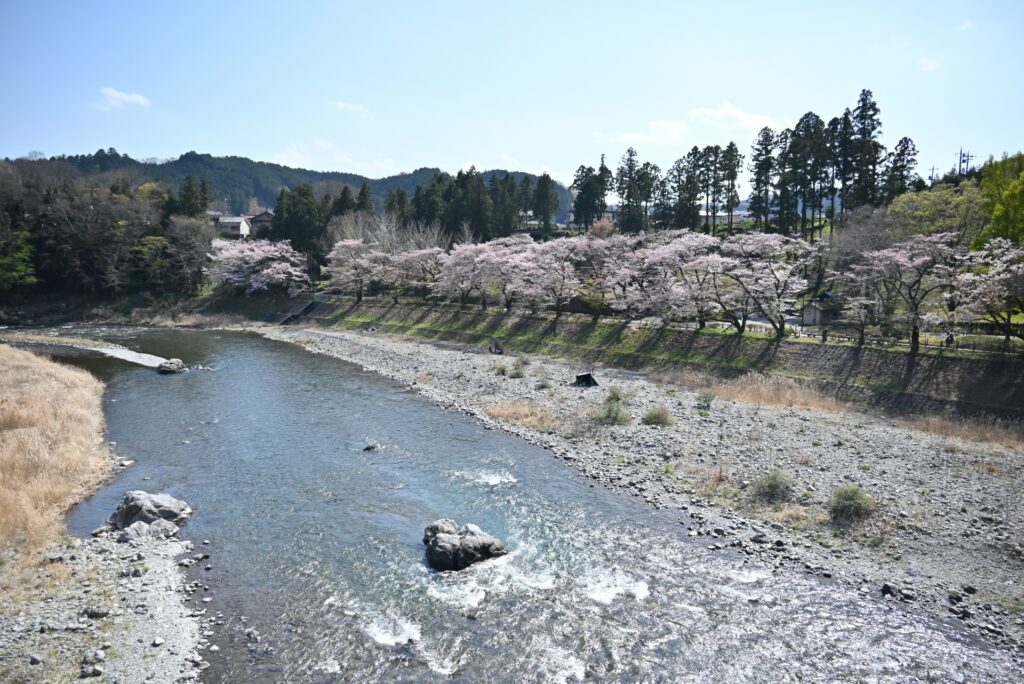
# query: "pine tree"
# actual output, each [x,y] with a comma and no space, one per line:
[899,174]
[627,182]
[868,152]
[343,203]
[364,202]
[731,163]
[762,167]
[396,203]
[545,203]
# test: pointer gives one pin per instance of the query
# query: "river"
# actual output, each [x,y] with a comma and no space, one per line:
[316,544]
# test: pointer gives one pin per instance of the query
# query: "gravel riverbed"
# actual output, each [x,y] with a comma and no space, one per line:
[100,609]
[946,536]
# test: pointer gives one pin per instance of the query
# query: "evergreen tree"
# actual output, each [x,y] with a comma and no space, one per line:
[343,203]
[396,203]
[899,174]
[731,163]
[525,196]
[545,203]
[627,186]
[762,168]
[711,179]
[678,205]
[868,152]
[364,202]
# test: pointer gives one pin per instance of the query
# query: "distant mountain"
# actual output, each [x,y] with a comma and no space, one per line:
[237,179]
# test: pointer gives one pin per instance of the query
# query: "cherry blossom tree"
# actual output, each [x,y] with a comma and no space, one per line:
[550,278]
[257,266]
[914,273]
[421,266]
[993,288]
[503,263]
[687,281]
[353,265]
[768,268]
[462,273]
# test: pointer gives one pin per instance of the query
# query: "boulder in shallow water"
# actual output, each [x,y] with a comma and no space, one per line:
[172,366]
[142,506]
[450,547]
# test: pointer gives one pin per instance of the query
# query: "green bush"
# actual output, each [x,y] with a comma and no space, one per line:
[613,413]
[705,399]
[658,416]
[773,487]
[501,369]
[519,369]
[615,395]
[850,504]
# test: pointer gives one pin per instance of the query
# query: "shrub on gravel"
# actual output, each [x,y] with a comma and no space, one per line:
[612,413]
[773,487]
[705,399]
[850,504]
[615,395]
[659,417]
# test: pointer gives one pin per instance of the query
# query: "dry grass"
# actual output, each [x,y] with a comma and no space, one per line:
[524,414]
[51,428]
[775,390]
[992,431]
[795,516]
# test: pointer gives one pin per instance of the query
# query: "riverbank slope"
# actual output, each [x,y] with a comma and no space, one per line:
[73,606]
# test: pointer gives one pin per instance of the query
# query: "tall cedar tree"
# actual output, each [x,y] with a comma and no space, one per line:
[545,203]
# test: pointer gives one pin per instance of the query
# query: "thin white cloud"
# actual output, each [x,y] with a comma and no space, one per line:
[927,64]
[347,106]
[728,118]
[506,158]
[117,99]
[966,25]
[661,132]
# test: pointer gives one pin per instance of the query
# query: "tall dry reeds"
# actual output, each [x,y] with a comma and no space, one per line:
[51,453]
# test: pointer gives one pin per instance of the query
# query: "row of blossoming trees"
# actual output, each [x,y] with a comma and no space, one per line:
[675,275]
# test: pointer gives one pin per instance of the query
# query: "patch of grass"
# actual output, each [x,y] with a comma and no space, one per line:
[615,394]
[612,413]
[544,384]
[51,429]
[850,504]
[524,414]
[667,470]
[796,516]
[518,368]
[501,369]
[658,417]
[773,487]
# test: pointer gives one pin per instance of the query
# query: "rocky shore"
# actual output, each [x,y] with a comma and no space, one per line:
[105,609]
[945,536]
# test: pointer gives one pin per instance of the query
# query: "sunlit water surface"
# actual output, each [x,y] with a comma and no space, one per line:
[317,543]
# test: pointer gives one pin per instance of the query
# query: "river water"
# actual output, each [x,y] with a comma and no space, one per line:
[316,544]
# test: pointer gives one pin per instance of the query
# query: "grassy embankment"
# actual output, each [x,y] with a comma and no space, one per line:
[51,452]
[751,368]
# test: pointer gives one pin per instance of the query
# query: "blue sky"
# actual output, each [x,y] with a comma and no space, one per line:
[534,86]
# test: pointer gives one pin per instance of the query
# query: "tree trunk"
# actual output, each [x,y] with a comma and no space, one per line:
[915,337]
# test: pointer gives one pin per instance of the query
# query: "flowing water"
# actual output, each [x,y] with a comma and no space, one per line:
[316,544]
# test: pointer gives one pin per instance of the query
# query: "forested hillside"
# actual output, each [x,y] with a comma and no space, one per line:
[237,179]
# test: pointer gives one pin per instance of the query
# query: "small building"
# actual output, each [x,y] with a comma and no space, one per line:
[818,312]
[260,223]
[234,226]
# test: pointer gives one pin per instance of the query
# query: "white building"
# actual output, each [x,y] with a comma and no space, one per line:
[234,226]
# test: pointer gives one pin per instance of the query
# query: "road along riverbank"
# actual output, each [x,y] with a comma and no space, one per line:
[939,529]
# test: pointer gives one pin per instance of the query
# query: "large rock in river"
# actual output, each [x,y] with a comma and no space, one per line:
[450,547]
[172,366]
[136,506]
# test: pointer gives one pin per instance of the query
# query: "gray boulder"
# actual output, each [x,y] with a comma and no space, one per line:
[158,529]
[142,506]
[172,366]
[450,547]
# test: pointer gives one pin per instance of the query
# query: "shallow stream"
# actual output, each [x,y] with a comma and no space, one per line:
[317,544]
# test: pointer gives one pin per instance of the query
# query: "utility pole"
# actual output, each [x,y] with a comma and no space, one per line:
[963,162]
[931,175]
